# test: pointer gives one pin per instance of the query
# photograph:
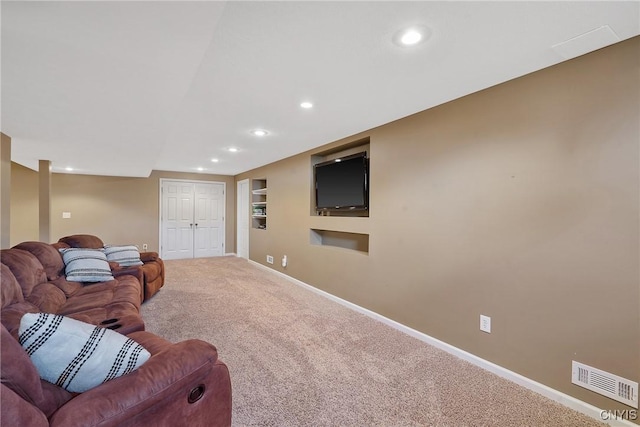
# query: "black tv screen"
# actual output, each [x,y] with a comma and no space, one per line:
[343,184]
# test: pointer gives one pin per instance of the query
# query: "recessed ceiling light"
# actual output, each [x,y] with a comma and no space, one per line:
[68,169]
[233,149]
[411,36]
[259,132]
[200,169]
[215,160]
[306,105]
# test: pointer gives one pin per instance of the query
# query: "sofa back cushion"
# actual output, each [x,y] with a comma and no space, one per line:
[60,245]
[25,267]
[11,291]
[83,241]
[47,297]
[69,288]
[48,256]
[12,314]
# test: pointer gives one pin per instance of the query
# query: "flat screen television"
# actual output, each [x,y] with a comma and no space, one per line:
[342,184]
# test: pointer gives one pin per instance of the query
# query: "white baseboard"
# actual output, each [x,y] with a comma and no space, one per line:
[548,392]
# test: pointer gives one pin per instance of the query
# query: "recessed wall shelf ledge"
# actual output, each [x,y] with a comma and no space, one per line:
[357,242]
[341,224]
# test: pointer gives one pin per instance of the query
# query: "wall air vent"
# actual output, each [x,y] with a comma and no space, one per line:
[604,383]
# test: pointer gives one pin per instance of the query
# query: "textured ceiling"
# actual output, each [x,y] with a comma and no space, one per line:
[123,88]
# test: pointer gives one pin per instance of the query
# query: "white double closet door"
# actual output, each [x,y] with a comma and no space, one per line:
[192,219]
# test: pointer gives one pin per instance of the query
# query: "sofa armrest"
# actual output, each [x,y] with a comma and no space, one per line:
[158,393]
[149,256]
[135,271]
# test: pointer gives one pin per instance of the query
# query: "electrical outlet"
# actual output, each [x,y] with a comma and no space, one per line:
[145,246]
[284,261]
[485,323]
[269,259]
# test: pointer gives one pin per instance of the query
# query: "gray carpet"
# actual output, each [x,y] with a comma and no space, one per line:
[299,359]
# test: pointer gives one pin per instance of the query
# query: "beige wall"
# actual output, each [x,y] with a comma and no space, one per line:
[117,209]
[519,202]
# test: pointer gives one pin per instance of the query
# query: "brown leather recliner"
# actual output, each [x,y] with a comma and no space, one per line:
[152,268]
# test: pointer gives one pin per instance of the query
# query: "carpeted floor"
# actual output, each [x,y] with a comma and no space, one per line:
[299,359]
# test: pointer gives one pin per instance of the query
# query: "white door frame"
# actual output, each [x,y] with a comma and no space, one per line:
[239,215]
[193,181]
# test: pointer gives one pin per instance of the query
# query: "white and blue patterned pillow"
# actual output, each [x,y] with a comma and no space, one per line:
[86,265]
[76,355]
[126,256]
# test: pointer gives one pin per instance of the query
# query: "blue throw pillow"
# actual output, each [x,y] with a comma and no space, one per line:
[86,265]
[126,256]
[76,355]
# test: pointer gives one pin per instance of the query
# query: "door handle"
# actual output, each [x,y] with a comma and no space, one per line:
[196,224]
[191,225]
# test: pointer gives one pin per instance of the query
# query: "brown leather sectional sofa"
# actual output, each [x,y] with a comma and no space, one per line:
[180,384]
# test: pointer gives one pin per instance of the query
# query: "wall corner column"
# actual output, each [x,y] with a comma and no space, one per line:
[5,191]
[44,199]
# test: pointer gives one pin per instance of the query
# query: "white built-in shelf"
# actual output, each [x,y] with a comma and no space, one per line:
[259,204]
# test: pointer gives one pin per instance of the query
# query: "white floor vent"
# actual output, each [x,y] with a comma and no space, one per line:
[604,383]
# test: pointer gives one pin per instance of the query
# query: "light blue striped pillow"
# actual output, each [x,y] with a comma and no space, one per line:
[76,355]
[126,256]
[86,265]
